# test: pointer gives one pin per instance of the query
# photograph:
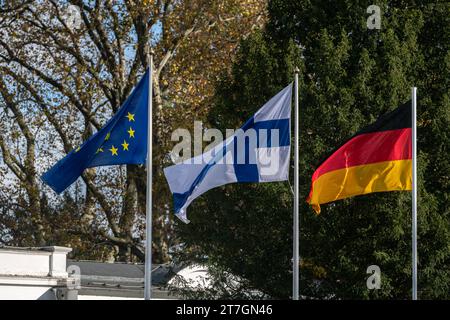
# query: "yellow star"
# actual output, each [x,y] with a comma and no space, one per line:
[77,149]
[130,116]
[114,151]
[99,150]
[125,145]
[107,136]
[131,132]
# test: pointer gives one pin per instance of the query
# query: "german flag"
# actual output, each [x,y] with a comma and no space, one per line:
[375,159]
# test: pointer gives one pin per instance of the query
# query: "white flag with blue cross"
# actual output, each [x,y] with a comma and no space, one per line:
[257,152]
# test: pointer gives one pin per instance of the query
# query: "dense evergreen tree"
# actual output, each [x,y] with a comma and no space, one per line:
[349,76]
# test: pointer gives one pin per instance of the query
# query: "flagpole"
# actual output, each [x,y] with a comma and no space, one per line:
[148,216]
[295,273]
[414,193]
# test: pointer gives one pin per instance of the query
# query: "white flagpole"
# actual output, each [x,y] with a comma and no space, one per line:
[295,264]
[148,217]
[414,194]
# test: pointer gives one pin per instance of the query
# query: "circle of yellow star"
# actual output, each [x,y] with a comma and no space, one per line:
[131,132]
[130,116]
[114,151]
[125,145]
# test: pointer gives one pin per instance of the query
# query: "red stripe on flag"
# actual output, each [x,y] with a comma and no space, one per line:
[369,148]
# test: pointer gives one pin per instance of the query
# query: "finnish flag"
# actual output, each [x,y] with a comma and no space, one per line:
[257,152]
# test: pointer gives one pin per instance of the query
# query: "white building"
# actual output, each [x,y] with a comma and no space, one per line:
[34,273]
[46,274]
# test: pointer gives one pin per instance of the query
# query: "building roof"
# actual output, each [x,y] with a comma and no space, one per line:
[121,279]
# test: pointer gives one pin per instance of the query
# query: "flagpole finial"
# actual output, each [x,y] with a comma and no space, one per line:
[149,53]
[296,70]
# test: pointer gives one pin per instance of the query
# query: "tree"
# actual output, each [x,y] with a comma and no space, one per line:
[349,76]
[65,68]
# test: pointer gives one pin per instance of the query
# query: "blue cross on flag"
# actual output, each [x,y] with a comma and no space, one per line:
[257,152]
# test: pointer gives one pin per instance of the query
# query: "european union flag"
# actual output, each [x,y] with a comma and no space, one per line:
[123,140]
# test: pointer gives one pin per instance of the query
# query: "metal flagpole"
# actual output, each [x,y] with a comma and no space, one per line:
[295,279]
[148,217]
[414,194]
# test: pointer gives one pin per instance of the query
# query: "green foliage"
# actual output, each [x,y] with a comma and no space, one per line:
[349,76]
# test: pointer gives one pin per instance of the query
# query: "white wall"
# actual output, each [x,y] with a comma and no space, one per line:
[32,273]
[26,293]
